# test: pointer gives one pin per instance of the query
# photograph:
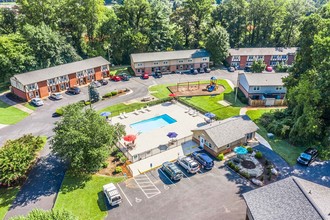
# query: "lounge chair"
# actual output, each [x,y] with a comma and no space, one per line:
[148,109]
[195,114]
[121,116]
[142,110]
[136,112]
[207,120]
[192,112]
[125,115]
[187,110]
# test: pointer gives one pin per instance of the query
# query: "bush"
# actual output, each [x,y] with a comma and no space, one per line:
[258,155]
[220,157]
[42,214]
[113,93]
[119,155]
[107,95]
[245,174]
[262,178]
[236,168]
[118,169]
[114,151]
[249,149]
[269,176]
[266,162]
[123,159]
[104,165]
[59,111]
[87,102]
[231,164]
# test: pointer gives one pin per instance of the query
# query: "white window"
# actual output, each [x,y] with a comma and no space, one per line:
[284,57]
[31,95]
[80,74]
[138,70]
[256,88]
[190,61]
[260,57]
[155,63]
[250,58]
[274,57]
[236,58]
[273,63]
[104,68]
[140,64]
[90,71]
[205,59]
[248,63]
[165,62]
[278,88]
[228,146]
[180,61]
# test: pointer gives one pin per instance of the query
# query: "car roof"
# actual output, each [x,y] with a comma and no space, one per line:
[310,150]
[305,156]
[205,157]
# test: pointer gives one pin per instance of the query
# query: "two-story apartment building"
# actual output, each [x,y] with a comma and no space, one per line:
[271,56]
[42,83]
[263,89]
[169,61]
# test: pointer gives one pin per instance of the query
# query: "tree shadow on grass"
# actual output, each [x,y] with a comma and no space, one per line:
[73,182]
[7,196]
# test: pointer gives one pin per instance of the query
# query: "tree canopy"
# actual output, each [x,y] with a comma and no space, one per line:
[38,214]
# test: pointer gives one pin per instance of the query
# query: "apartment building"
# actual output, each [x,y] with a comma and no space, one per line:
[42,83]
[271,56]
[169,61]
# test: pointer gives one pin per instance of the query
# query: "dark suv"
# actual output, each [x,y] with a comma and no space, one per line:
[73,90]
[172,171]
[204,160]
[308,156]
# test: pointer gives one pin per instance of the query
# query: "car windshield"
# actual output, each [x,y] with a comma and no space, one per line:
[194,165]
[116,198]
[306,157]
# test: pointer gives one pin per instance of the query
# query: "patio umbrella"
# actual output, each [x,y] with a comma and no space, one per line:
[172,135]
[210,115]
[130,138]
[105,114]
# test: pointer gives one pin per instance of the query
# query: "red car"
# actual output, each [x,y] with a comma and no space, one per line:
[145,76]
[115,78]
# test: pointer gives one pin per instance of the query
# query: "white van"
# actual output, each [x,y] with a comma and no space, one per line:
[112,194]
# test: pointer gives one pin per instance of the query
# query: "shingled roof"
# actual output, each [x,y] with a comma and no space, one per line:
[265,79]
[61,70]
[291,198]
[229,130]
[168,55]
[262,51]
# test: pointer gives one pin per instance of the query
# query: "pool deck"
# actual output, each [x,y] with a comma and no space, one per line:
[152,139]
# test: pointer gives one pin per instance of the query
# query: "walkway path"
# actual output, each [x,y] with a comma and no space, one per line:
[4,98]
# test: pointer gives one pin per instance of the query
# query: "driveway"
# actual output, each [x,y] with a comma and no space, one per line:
[214,194]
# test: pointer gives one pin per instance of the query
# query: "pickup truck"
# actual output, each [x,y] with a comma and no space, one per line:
[112,194]
[188,164]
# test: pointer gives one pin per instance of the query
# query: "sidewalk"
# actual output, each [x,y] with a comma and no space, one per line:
[4,98]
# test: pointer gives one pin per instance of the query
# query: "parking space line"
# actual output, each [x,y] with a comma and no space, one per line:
[148,188]
[167,177]
[186,175]
[124,194]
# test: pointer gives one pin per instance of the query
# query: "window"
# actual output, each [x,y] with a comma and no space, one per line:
[190,61]
[260,57]
[278,88]
[250,58]
[140,64]
[180,61]
[90,71]
[274,57]
[256,88]
[31,95]
[273,63]
[138,70]
[165,62]
[284,57]
[205,59]
[155,63]
[80,74]
[104,68]
[228,146]
[236,58]
[248,63]
[210,145]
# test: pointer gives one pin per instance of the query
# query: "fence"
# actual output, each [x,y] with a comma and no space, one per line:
[277,102]
[154,151]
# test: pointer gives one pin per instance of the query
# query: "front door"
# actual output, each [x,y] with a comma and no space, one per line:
[201,142]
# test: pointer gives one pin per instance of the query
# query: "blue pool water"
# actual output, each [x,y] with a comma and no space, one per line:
[240,150]
[153,123]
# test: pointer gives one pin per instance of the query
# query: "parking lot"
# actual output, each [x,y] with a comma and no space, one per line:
[214,194]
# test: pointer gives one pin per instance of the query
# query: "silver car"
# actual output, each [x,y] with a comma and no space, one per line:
[37,102]
[56,96]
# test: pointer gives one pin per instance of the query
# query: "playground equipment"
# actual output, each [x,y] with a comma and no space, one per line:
[187,86]
[213,85]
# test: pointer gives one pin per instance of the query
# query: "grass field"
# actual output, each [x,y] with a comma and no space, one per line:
[286,150]
[10,115]
[117,109]
[83,196]
[30,106]
[7,196]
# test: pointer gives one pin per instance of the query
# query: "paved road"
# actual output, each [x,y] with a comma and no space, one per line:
[45,178]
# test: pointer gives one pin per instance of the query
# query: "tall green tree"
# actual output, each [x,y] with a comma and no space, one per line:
[84,138]
[258,66]
[218,44]
[8,21]
[48,46]
[38,214]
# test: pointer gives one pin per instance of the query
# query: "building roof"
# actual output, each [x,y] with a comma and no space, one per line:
[61,70]
[290,198]
[262,51]
[264,79]
[229,130]
[168,55]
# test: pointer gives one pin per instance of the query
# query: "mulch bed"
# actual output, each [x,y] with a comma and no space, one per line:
[194,90]
[113,162]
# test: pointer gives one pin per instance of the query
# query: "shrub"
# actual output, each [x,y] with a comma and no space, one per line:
[113,93]
[119,155]
[258,155]
[123,159]
[245,174]
[266,162]
[262,178]
[236,168]
[104,165]
[107,95]
[220,157]
[231,164]
[87,102]
[241,97]
[249,149]
[269,176]
[118,169]
[114,151]
[59,111]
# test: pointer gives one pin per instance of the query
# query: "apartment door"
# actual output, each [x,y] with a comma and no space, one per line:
[201,142]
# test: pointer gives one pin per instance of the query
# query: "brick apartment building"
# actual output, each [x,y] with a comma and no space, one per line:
[169,61]
[243,57]
[42,83]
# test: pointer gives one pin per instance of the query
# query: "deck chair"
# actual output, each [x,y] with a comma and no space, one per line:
[192,112]
[125,115]
[142,110]
[136,112]
[187,110]
[121,116]
[148,109]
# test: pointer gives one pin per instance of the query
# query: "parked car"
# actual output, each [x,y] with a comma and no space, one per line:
[188,164]
[112,194]
[158,74]
[37,102]
[145,76]
[207,70]
[248,69]
[124,76]
[204,160]
[115,78]
[201,70]
[172,171]
[231,69]
[308,156]
[103,82]
[56,96]
[74,90]
[96,84]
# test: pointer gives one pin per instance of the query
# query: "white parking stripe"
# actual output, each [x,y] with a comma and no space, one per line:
[124,194]
[167,177]
[186,175]
[147,186]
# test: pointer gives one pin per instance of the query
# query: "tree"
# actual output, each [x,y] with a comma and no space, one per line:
[8,21]
[48,46]
[218,44]
[17,157]
[84,138]
[258,66]
[16,56]
[38,214]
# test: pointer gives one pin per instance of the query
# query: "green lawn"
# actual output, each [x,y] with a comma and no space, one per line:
[117,109]
[30,106]
[83,196]
[119,69]
[286,150]
[160,91]
[7,196]
[10,115]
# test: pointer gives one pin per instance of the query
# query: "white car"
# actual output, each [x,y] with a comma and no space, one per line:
[112,194]
[56,96]
[37,102]
[188,164]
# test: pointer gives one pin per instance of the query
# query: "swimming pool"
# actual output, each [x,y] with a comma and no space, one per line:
[153,123]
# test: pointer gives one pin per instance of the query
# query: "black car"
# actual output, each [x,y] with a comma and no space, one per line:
[248,69]
[172,171]
[103,82]
[203,159]
[158,74]
[73,90]
[308,156]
